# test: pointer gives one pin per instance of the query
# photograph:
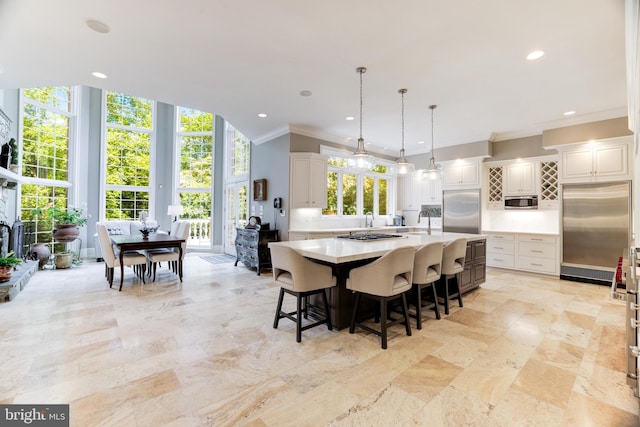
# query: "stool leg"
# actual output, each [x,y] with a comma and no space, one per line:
[405,310]
[278,309]
[446,295]
[299,318]
[352,327]
[459,293]
[435,300]
[326,309]
[383,323]
[419,306]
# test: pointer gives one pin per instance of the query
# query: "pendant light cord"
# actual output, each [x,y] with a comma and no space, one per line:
[361,70]
[432,107]
[402,92]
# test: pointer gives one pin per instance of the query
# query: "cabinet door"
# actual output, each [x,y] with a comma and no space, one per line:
[452,176]
[318,183]
[611,161]
[521,179]
[431,191]
[470,174]
[409,192]
[300,186]
[465,174]
[577,164]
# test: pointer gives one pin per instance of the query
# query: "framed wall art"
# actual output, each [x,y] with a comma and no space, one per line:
[260,189]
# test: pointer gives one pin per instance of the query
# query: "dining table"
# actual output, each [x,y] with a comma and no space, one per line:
[133,242]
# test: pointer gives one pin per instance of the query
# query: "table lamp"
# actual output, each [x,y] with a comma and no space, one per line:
[175,211]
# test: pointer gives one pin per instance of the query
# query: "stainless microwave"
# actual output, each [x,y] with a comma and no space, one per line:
[521,202]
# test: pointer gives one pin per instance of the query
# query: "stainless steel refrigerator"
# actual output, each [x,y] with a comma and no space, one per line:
[596,224]
[461,211]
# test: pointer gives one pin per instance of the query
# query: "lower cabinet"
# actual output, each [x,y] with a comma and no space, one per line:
[537,253]
[252,247]
[475,266]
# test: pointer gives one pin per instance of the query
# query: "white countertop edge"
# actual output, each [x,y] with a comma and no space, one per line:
[544,233]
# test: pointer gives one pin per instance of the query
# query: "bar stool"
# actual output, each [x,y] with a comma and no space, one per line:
[427,267]
[301,278]
[453,256]
[385,279]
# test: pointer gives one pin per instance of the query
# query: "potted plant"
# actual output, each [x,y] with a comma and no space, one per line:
[13,162]
[7,265]
[67,221]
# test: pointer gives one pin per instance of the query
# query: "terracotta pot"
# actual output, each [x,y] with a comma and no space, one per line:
[66,232]
[41,252]
[5,273]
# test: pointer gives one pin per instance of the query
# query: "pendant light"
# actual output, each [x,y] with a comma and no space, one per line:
[433,170]
[404,166]
[361,160]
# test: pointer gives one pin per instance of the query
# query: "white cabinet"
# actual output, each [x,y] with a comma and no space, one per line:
[597,161]
[308,180]
[537,253]
[521,179]
[430,191]
[409,192]
[461,174]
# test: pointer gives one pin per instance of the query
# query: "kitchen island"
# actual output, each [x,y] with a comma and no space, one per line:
[344,254]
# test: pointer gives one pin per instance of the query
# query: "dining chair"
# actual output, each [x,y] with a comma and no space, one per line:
[427,268]
[132,258]
[386,279]
[170,255]
[300,277]
[453,256]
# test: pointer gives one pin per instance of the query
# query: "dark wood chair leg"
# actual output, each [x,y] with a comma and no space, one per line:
[458,289]
[435,300]
[405,310]
[419,306]
[446,295]
[383,323]
[278,309]
[298,318]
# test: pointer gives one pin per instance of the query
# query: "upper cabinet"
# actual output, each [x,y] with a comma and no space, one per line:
[409,192]
[308,180]
[430,191]
[597,161]
[521,179]
[461,174]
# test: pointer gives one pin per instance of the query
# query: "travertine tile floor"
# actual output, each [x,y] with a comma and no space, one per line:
[524,351]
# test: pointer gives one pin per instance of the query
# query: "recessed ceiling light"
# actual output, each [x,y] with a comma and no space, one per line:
[262,115]
[349,118]
[99,75]
[569,113]
[97,26]
[306,93]
[420,142]
[536,54]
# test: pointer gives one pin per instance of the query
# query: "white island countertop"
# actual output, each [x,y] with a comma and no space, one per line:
[337,251]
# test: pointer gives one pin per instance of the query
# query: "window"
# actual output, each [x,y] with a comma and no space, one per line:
[129,135]
[353,193]
[47,117]
[238,147]
[195,186]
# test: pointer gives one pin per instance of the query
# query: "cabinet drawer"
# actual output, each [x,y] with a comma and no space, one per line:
[538,250]
[499,260]
[537,238]
[541,265]
[500,238]
[499,247]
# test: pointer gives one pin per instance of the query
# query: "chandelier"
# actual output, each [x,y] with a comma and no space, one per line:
[404,166]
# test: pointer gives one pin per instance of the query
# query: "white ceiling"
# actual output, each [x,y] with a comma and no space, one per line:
[238,58]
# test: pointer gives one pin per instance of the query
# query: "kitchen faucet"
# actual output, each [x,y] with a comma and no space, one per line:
[426,213]
[366,223]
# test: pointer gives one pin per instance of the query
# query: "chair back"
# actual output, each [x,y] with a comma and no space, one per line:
[182,231]
[174,228]
[108,253]
[427,265]
[389,275]
[453,256]
[295,272]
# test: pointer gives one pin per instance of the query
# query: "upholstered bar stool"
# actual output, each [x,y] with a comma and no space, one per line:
[453,256]
[386,279]
[301,278]
[427,267]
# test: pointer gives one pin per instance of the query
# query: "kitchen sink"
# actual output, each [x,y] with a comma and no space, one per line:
[368,236]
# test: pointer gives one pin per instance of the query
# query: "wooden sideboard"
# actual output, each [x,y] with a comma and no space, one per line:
[251,247]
